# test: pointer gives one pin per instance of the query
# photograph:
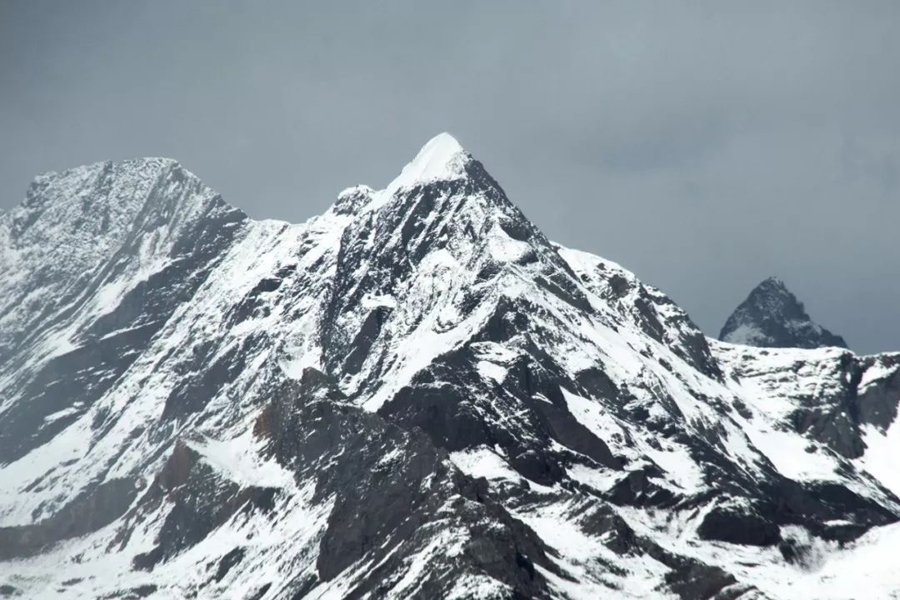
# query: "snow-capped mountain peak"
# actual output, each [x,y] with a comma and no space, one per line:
[441,159]
[772,316]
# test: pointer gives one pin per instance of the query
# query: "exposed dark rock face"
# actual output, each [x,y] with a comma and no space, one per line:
[395,485]
[772,317]
[85,514]
[201,501]
[688,579]
[738,525]
[442,401]
[639,489]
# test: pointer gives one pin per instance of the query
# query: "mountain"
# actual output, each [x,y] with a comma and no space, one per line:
[413,395]
[773,317]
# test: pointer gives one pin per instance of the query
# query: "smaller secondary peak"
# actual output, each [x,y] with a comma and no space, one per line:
[128,166]
[773,317]
[774,297]
[93,183]
[773,283]
[441,159]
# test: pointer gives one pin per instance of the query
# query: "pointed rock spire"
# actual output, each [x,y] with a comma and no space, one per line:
[773,317]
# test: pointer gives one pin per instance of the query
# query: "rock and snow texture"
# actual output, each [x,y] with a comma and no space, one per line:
[413,395]
[772,317]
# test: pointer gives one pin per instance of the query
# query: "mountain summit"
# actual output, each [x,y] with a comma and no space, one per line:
[773,317]
[441,159]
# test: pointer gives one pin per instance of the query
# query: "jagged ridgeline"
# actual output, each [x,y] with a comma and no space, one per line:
[413,395]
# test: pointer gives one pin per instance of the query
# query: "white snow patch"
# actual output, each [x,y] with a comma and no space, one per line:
[599,479]
[505,249]
[489,370]
[62,413]
[875,373]
[441,159]
[240,460]
[478,587]
[371,301]
[882,457]
[483,462]
[592,415]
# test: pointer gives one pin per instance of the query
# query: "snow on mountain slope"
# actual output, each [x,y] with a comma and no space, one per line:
[844,405]
[414,395]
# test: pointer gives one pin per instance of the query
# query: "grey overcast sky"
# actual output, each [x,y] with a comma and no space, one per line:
[703,145]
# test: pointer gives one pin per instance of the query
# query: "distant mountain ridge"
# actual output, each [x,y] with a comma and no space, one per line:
[413,395]
[773,317]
